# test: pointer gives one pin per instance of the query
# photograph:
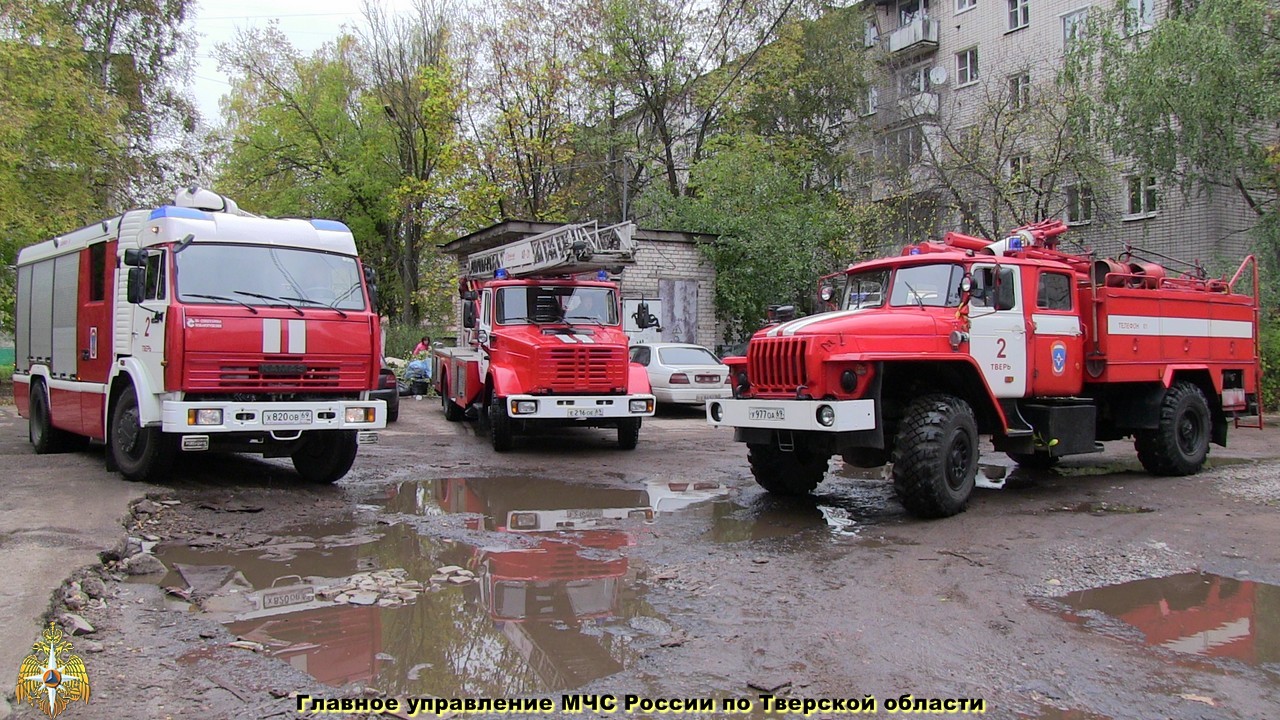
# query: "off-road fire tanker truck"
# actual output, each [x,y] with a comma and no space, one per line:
[1047,352]
[196,326]
[543,344]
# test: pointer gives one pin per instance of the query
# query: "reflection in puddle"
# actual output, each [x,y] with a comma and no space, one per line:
[551,602]
[1193,613]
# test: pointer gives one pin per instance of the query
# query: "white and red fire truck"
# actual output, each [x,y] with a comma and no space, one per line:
[196,326]
[542,345]
[1047,352]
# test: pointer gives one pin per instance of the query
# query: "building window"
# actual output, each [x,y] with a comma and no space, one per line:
[872,102]
[1144,197]
[1020,90]
[962,5]
[1073,26]
[967,67]
[1020,13]
[1139,16]
[870,34]
[905,146]
[1019,166]
[910,11]
[913,81]
[1079,204]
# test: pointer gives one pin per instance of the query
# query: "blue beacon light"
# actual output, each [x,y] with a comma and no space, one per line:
[601,275]
[501,274]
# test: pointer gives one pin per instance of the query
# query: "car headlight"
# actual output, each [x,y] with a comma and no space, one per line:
[641,406]
[204,416]
[361,414]
[524,407]
[524,521]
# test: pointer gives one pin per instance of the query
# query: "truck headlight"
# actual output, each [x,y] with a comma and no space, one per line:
[641,406]
[717,412]
[204,416]
[524,407]
[361,414]
[524,521]
[826,415]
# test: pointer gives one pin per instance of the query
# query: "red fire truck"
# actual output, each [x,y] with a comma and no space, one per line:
[542,344]
[1047,352]
[219,331]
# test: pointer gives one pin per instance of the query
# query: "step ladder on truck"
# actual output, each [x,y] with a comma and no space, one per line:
[543,341]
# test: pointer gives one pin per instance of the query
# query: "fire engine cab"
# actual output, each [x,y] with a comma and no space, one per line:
[196,326]
[543,337]
[1045,351]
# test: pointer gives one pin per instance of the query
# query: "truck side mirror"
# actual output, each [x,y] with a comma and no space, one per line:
[468,316]
[137,287]
[467,295]
[645,319]
[135,257]
[782,313]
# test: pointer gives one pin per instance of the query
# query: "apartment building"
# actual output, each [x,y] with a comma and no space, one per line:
[972,133]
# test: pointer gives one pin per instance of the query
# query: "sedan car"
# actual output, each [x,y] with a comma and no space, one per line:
[388,392]
[682,372]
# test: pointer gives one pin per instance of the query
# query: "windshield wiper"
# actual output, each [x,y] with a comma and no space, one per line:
[309,301]
[588,318]
[222,298]
[914,294]
[260,296]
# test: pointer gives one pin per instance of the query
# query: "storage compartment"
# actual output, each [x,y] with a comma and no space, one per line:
[1073,425]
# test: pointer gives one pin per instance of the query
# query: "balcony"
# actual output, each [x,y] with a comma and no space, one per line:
[918,37]
[919,105]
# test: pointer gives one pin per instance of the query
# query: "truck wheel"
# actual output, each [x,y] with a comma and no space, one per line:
[500,431]
[45,438]
[781,472]
[1180,445]
[326,456]
[1034,461]
[452,410]
[141,454]
[628,433]
[935,456]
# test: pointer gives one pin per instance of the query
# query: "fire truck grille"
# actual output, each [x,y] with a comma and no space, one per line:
[777,364]
[250,374]
[582,369]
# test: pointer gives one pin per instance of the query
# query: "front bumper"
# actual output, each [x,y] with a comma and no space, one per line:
[692,395]
[848,415]
[279,418]
[578,407]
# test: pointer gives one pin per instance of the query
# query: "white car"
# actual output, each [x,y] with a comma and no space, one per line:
[683,373]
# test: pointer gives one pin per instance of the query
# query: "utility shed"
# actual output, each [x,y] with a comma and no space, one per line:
[670,273]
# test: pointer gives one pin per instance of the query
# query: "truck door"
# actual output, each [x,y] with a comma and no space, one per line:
[149,320]
[485,334]
[998,329]
[1056,340]
[93,331]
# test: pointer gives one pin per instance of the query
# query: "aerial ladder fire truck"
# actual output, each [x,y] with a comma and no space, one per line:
[1046,352]
[197,326]
[543,337]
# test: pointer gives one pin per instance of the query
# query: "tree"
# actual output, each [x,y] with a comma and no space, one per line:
[58,142]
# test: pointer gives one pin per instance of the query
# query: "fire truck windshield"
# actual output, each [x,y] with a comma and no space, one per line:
[262,275]
[556,304]
[927,286]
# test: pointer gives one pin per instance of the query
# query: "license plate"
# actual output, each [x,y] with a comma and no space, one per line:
[584,513]
[707,379]
[704,398]
[286,417]
[586,412]
[287,596]
[767,414]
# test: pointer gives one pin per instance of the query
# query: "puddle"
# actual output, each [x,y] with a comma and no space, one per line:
[1192,613]
[540,598]
[1101,507]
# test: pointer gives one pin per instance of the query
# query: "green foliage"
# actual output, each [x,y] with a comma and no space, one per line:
[776,237]
[1270,349]
[6,373]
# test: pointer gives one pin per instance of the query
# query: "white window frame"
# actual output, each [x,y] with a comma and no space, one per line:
[913,81]
[905,19]
[967,67]
[1148,197]
[963,6]
[1020,13]
[1016,169]
[1073,25]
[1140,16]
[871,102]
[1020,90]
[1079,203]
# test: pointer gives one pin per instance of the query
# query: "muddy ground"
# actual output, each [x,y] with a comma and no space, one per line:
[440,568]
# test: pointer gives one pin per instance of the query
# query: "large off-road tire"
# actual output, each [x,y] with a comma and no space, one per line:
[452,411]
[141,454]
[45,438]
[393,413]
[326,456]
[501,434]
[628,433]
[935,456]
[792,473]
[1180,445]
[1039,460]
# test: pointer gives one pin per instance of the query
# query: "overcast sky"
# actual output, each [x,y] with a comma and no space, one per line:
[307,24]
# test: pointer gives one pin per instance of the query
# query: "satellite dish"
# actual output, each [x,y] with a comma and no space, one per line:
[938,75]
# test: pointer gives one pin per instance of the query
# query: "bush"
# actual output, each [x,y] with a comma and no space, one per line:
[401,339]
[6,373]
[1270,350]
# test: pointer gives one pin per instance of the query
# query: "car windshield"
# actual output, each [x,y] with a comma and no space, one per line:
[865,289]
[266,275]
[687,356]
[591,305]
[927,286]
